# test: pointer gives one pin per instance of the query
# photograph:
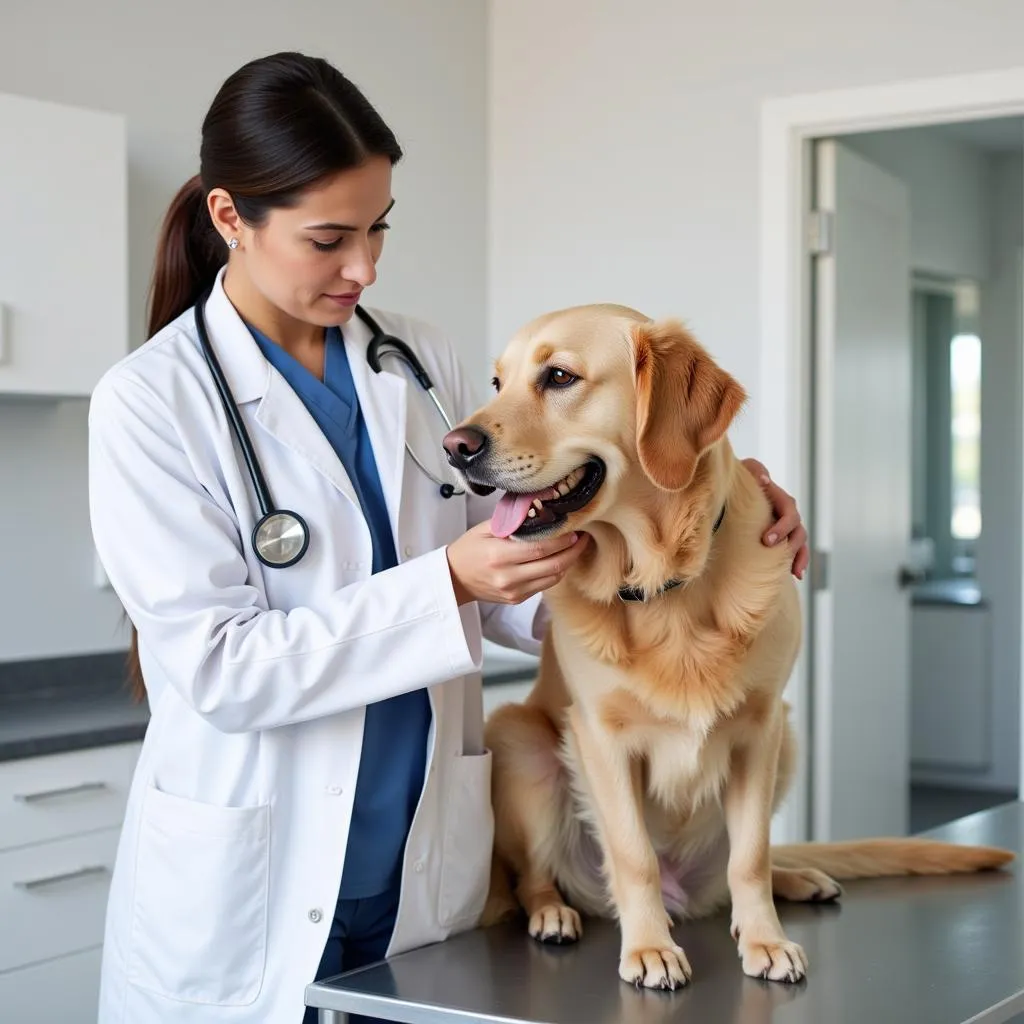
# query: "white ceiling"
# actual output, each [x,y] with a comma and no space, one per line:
[996,135]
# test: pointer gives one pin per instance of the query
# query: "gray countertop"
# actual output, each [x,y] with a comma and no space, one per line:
[31,728]
[51,706]
[928,950]
[957,593]
[54,705]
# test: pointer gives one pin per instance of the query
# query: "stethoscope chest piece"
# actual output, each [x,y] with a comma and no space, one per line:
[280,538]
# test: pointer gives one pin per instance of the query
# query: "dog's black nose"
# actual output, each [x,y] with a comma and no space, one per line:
[464,444]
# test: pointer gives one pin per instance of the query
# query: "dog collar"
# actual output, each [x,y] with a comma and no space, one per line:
[638,594]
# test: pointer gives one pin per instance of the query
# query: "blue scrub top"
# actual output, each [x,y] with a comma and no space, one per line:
[394,753]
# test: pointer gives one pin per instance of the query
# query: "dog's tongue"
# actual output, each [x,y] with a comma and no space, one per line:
[510,513]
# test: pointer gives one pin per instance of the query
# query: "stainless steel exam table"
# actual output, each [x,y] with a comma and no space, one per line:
[928,950]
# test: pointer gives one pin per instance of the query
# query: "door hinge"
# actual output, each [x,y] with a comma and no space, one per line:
[819,570]
[820,231]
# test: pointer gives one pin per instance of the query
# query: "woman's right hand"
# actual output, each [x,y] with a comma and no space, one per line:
[502,571]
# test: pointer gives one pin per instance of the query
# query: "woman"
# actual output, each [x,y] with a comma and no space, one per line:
[311,793]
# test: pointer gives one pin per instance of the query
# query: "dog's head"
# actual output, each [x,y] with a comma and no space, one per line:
[589,401]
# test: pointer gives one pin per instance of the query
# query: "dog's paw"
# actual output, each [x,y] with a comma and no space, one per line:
[779,960]
[661,968]
[556,923]
[805,885]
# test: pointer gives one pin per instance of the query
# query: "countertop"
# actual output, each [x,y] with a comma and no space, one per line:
[55,705]
[892,951]
[956,593]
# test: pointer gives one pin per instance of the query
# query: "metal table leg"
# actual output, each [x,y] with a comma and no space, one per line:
[332,1017]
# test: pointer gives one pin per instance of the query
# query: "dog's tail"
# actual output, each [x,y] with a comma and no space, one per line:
[880,858]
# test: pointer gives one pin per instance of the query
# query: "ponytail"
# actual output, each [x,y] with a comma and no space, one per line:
[189,253]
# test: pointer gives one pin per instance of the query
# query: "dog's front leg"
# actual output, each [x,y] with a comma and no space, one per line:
[762,944]
[649,956]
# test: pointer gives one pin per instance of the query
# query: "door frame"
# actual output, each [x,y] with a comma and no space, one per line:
[788,127]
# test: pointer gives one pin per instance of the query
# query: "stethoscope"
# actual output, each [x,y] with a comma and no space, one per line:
[281,536]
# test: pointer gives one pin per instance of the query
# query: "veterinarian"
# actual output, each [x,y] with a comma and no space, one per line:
[311,793]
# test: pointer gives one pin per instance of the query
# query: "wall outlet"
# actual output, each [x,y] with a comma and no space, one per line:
[99,574]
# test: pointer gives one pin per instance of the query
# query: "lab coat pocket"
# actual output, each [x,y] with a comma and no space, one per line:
[199,914]
[468,839]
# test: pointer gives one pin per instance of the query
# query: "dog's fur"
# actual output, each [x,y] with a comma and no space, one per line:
[640,776]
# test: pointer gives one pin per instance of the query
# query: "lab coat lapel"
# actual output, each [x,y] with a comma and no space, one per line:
[284,415]
[280,411]
[383,399]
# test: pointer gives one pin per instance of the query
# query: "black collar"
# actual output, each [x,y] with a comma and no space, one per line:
[637,594]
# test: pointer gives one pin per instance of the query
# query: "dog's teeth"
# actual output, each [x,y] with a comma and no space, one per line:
[538,504]
[564,489]
[531,513]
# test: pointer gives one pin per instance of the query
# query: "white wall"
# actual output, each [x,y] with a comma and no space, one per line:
[624,142]
[422,65]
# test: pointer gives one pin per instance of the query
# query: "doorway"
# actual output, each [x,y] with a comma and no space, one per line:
[907,694]
[923,628]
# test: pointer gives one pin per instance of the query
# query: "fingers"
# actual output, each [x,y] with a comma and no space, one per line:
[538,549]
[788,525]
[541,573]
[798,542]
[758,469]
[786,514]
[555,564]
[538,586]
[802,560]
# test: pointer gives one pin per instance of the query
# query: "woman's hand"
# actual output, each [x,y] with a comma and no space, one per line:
[501,571]
[787,525]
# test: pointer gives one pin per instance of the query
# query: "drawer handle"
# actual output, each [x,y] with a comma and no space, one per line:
[67,876]
[49,794]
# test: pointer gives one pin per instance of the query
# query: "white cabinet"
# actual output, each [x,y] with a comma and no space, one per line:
[951,689]
[53,897]
[63,795]
[32,996]
[63,247]
[60,819]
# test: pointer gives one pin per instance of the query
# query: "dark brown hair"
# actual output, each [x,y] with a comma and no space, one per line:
[279,125]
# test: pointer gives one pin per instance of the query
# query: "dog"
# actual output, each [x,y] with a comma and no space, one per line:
[639,778]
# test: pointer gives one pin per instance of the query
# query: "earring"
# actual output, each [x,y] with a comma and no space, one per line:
[233,244]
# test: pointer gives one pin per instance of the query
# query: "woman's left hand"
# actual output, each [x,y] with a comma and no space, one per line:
[787,525]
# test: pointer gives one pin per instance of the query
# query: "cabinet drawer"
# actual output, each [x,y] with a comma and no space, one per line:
[63,991]
[53,897]
[52,797]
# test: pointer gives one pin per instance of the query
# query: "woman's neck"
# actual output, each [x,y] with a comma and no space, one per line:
[304,342]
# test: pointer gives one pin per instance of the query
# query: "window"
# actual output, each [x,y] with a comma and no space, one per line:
[947,354]
[965,422]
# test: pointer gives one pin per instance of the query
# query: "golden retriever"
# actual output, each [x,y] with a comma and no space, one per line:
[639,778]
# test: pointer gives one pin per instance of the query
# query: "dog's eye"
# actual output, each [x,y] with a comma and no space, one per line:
[559,378]
[495,383]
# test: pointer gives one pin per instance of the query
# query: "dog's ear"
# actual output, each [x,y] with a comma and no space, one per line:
[685,402]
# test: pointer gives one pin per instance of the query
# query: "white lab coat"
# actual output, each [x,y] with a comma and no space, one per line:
[234,837]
